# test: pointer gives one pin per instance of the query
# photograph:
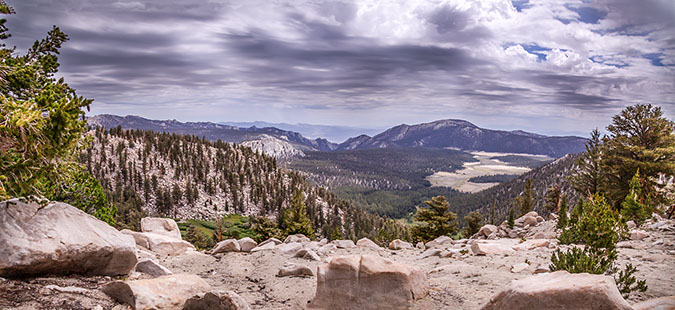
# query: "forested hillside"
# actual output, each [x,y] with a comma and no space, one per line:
[145,172]
[503,195]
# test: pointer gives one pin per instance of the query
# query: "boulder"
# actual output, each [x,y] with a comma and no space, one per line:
[151,267]
[420,245]
[292,269]
[160,244]
[296,238]
[399,244]
[438,242]
[543,268]
[228,245]
[274,241]
[368,282]
[662,303]
[325,249]
[552,217]
[532,244]
[307,254]
[560,290]
[539,219]
[519,267]
[166,292]
[528,220]
[429,253]
[638,234]
[289,248]
[160,226]
[323,242]
[246,244]
[487,230]
[367,243]
[344,244]
[263,247]
[631,224]
[492,247]
[217,300]
[60,239]
[312,245]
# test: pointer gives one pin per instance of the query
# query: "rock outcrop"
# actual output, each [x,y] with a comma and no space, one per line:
[160,244]
[60,239]
[663,303]
[398,244]
[166,292]
[560,290]
[161,226]
[344,244]
[247,244]
[368,282]
[292,269]
[491,247]
[218,300]
[151,267]
[367,243]
[228,245]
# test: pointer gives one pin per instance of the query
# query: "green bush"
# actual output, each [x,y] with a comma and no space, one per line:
[598,227]
[633,206]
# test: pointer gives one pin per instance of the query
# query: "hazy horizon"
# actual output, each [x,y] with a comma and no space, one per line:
[548,67]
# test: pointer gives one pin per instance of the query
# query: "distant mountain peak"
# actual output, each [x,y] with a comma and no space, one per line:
[464,135]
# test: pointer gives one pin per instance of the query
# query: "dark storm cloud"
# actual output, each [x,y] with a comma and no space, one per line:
[326,59]
[307,56]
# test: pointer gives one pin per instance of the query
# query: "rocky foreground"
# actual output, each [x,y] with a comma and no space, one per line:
[57,257]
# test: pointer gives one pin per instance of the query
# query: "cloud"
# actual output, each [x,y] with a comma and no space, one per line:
[354,62]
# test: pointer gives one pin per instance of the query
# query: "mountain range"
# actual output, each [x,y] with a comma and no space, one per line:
[312,131]
[456,134]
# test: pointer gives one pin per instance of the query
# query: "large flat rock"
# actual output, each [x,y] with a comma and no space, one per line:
[368,282]
[166,292]
[160,226]
[160,244]
[60,239]
[560,290]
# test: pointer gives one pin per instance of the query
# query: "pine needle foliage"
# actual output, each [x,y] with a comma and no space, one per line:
[633,206]
[295,219]
[436,220]
[598,228]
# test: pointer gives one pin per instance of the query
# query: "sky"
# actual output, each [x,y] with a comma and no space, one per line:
[551,67]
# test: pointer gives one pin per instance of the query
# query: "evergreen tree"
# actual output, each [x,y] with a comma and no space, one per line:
[598,228]
[41,117]
[474,220]
[525,202]
[510,221]
[640,137]
[436,220]
[295,219]
[633,206]
[492,212]
[553,198]
[562,215]
[265,228]
[588,175]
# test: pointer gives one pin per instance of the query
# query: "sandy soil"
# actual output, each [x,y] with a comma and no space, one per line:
[459,180]
[464,282]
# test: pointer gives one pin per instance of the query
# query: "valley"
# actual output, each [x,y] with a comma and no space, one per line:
[487,164]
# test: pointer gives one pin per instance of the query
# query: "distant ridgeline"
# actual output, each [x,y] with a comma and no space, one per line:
[190,177]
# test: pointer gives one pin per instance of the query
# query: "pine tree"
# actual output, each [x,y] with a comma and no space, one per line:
[525,202]
[474,220]
[436,220]
[553,198]
[41,117]
[510,221]
[295,219]
[640,137]
[633,206]
[492,212]
[562,215]
[598,228]
[588,176]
